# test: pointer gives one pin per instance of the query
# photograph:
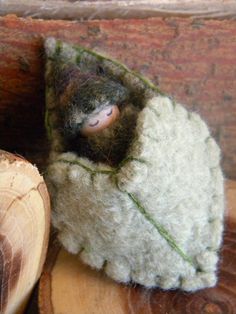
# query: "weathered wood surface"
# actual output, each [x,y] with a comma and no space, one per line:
[68,286]
[24,231]
[193,60]
[109,9]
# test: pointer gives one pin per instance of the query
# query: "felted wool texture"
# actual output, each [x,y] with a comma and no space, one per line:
[109,145]
[157,218]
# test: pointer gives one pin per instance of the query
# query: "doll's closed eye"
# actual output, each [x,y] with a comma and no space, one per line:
[97,122]
[94,124]
[110,112]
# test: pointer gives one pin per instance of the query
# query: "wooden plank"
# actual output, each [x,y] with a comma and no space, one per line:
[193,60]
[71,9]
[68,286]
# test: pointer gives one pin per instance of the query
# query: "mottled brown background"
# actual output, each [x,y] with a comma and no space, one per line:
[193,60]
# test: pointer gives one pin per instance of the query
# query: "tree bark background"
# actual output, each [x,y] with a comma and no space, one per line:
[193,60]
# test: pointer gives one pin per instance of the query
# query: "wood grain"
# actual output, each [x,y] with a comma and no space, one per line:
[24,229]
[193,60]
[68,286]
[126,9]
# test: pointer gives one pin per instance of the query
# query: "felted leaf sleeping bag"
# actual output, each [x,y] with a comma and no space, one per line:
[156,216]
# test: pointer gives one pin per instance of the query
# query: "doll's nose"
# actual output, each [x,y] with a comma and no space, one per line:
[101,121]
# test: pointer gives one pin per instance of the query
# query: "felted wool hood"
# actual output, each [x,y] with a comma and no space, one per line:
[157,218]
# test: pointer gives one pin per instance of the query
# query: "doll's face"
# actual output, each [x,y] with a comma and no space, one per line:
[90,103]
[97,122]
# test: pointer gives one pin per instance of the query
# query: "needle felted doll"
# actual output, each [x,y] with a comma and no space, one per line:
[135,179]
[96,114]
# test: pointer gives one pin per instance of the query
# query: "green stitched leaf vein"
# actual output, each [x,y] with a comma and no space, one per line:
[162,231]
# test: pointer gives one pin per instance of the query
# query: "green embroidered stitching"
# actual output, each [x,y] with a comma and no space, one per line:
[92,171]
[162,231]
[120,65]
[48,124]
[101,57]
[102,171]
[130,158]
[79,49]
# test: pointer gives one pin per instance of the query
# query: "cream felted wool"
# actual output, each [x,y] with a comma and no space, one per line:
[157,218]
